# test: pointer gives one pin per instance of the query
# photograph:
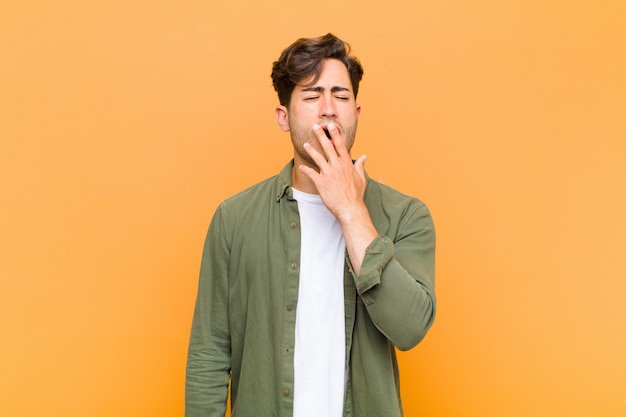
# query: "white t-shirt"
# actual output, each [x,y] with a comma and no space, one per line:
[319,357]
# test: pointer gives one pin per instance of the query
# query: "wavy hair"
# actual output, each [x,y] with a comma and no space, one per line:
[304,57]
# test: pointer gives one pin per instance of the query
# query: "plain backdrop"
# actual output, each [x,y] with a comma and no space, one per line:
[123,124]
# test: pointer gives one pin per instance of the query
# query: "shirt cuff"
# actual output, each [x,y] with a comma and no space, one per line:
[377,256]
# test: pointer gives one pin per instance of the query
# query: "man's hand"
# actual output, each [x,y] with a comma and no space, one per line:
[341,185]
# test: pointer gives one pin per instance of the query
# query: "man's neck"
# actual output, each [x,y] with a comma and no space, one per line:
[300,181]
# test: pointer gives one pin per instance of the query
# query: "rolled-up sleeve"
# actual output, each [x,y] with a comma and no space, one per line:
[397,279]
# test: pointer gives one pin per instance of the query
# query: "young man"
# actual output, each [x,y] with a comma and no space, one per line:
[311,278]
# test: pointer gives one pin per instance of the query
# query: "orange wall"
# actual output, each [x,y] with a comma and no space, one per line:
[123,125]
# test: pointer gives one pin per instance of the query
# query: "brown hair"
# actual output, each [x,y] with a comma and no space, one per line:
[304,57]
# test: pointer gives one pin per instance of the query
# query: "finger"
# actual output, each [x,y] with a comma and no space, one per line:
[309,172]
[359,164]
[338,142]
[317,157]
[325,143]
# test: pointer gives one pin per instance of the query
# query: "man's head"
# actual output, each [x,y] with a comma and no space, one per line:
[303,59]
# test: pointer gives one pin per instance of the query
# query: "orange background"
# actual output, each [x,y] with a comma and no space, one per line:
[124,123]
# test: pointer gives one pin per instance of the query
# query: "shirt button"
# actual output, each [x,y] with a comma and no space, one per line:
[293,225]
[286,392]
[290,308]
[294,266]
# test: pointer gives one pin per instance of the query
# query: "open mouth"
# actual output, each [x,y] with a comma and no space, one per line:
[327,133]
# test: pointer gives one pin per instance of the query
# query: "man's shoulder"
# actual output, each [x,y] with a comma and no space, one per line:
[259,191]
[395,213]
[263,191]
[380,193]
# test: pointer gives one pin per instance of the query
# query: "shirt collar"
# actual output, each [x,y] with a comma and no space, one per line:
[283,185]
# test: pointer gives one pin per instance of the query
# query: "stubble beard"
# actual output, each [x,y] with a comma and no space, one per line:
[300,136]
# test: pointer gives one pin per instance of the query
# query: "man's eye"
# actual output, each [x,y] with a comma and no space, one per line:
[343,98]
[311,98]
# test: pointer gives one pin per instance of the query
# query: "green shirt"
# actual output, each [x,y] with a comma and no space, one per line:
[244,322]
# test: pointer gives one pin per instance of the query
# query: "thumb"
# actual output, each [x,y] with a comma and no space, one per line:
[358,165]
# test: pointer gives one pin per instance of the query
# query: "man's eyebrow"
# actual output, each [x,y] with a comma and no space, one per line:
[320,89]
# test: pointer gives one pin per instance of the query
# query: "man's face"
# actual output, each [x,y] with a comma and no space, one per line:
[329,99]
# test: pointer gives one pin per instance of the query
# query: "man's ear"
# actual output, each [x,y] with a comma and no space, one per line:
[282,117]
[358,110]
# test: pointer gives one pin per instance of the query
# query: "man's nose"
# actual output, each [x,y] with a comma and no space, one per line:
[328,108]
